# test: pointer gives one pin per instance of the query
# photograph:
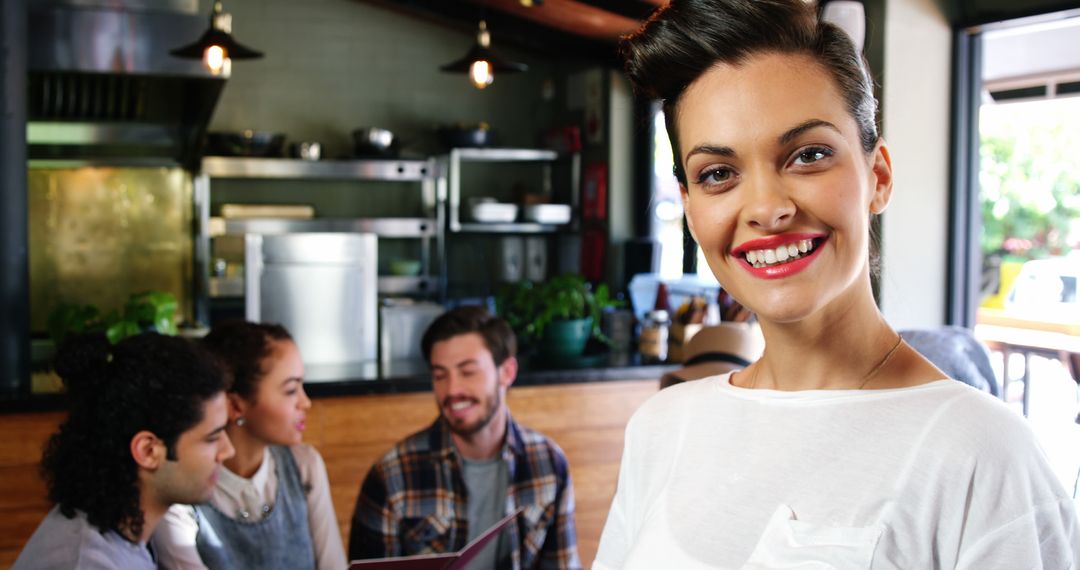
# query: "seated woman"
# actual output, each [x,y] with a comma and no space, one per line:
[271,507]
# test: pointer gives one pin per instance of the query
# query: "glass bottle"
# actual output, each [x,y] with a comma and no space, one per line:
[653,340]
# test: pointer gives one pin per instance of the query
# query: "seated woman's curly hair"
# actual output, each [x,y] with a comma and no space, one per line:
[147,382]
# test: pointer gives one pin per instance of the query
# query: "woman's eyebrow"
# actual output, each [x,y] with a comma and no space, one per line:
[794,132]
[783,139]
[711,149]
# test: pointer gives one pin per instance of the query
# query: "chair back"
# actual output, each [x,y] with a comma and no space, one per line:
[957,352]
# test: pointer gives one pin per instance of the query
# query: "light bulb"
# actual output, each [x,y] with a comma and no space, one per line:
[214,58]
[480,74]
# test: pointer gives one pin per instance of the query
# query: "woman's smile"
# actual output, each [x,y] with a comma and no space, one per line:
[779,256]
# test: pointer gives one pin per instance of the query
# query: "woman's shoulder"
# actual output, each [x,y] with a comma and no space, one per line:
[967,418]
[963,404]
[674,402]
[308,459]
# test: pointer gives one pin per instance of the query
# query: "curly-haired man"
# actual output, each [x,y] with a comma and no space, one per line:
[145,430]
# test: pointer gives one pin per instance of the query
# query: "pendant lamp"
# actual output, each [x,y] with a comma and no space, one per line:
[217,47]
[481,63]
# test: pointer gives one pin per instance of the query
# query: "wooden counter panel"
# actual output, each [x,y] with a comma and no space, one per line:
[25,436]
[352,432]
[22,492]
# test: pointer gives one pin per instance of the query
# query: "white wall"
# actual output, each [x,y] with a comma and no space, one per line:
[620,175]
[916,96]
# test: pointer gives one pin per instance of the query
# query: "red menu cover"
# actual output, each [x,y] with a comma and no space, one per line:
[449,561]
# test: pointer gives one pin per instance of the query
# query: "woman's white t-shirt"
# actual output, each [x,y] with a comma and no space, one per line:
[934,476]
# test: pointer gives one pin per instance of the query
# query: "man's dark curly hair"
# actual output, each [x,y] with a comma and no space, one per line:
[241,348]
[498,337]
[147,382]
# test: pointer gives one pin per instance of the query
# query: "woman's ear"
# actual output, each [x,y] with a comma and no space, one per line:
[237,406]
[881,178]
[147,450]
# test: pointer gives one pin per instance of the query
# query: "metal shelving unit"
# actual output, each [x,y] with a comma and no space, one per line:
[429,229]
[453,162]
[395,170]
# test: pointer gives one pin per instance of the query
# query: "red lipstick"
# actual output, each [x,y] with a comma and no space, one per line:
[773,242]
[781,270]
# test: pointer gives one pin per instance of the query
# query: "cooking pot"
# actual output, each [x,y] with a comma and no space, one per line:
[244,143]
[369,141]
[306,150]
[465,135]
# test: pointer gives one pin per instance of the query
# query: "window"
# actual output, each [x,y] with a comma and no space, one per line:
[667,212]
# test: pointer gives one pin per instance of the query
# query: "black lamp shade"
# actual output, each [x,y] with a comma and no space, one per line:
[214,36]
[478,53]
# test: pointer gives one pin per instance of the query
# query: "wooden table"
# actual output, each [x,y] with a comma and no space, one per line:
[1008,335]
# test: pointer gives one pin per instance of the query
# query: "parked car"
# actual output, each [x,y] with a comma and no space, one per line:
[1046,289]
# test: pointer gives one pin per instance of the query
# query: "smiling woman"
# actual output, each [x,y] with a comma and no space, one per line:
[842,446]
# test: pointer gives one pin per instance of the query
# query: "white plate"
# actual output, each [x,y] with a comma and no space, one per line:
[494,212]
[548,213]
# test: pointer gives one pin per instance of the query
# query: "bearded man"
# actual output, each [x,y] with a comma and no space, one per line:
[439,488]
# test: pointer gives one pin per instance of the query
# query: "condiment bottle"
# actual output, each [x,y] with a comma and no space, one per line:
[653,340]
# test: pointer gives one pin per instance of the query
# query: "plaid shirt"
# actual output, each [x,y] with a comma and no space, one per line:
[413,501]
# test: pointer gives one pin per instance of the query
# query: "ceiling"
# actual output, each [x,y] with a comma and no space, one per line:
[579,30]
[1034,61]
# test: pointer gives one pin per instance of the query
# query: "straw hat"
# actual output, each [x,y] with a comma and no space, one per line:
[716,350]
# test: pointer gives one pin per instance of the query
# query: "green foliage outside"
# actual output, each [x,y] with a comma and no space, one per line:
[149,311]
[1030,178]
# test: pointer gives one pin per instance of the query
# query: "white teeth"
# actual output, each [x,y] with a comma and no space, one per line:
[786,252]
[457,406]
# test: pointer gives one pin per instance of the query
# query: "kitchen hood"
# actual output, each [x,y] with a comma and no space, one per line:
[103,88]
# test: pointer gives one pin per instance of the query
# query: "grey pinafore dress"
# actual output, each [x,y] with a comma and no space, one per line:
[282,539]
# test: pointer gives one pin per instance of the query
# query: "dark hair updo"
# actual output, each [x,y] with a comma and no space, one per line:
[682,40]
[242,348]
[147,382]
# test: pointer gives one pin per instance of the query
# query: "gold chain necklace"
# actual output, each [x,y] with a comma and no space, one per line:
[873,371]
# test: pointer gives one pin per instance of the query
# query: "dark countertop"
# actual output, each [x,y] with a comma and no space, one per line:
[418,379]
[404,377]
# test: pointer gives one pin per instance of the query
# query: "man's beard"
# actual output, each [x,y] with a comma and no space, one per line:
[467,430]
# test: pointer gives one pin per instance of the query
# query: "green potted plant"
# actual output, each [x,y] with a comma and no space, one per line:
[148,311]
[559,316]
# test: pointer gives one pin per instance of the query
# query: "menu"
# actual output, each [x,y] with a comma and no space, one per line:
[448,561]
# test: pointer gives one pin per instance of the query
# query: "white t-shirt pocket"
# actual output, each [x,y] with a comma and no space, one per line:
[799,545]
